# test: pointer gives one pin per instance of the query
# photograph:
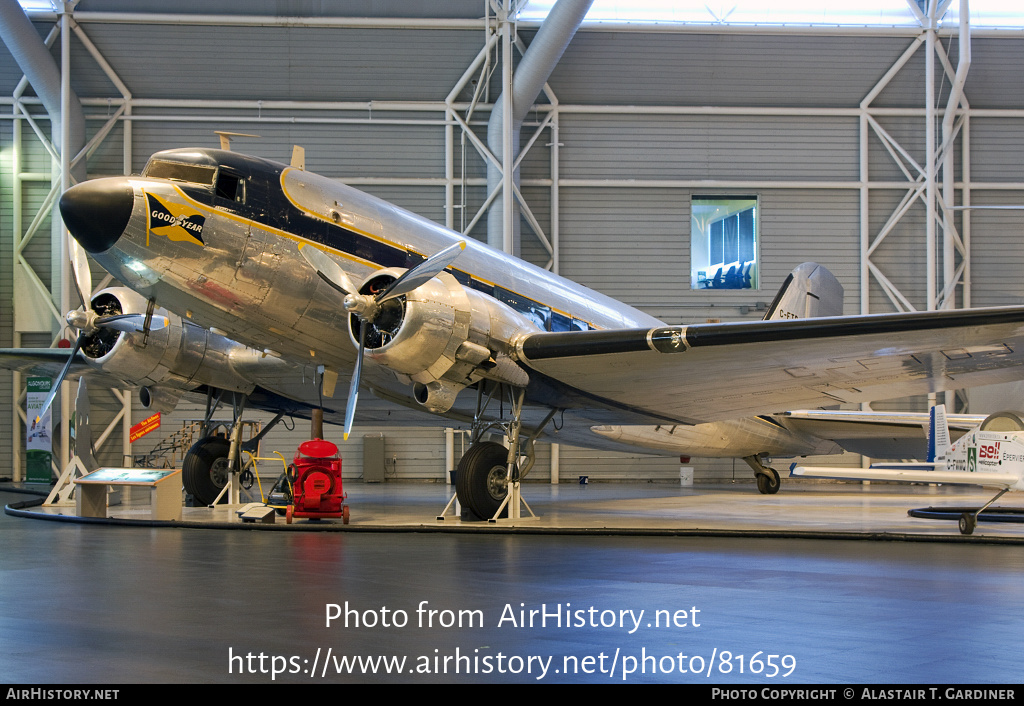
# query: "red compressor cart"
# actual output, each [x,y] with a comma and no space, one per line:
[316,490]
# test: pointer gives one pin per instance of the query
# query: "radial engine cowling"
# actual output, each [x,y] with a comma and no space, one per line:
[442,337]
[179,357]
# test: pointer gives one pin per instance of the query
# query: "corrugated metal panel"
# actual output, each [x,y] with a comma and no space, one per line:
[402,151]
[277,63]
[605,466]
[901,255]
[997,249]
[996,146]
[995,80]
[909,133]
[808,225]
[463,9]
[598,224]
[654,225]
[748,70]
[708,147]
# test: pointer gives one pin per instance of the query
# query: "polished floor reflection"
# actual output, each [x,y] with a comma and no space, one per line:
[115,604]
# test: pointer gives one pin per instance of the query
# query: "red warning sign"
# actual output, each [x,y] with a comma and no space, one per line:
[144,427]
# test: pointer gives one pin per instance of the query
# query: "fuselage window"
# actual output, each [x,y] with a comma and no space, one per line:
[560,322]
[534,311]
[192,173]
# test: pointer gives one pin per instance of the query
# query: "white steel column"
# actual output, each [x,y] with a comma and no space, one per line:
[507,157]
[929,138]
[64,452]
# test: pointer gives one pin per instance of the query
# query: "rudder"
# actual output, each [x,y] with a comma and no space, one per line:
[809,292]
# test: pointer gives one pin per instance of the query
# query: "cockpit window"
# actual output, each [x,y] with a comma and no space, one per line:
[192,173]
[230,186]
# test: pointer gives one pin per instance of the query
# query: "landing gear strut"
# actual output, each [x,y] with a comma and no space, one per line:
[969,520]
[489,474]
[768,481]
[211,464]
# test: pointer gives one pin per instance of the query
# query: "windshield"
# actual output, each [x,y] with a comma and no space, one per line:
[195,174]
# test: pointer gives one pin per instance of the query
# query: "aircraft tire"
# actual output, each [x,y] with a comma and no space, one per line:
[204,471]
[967,523]
[769,486]
[480,480]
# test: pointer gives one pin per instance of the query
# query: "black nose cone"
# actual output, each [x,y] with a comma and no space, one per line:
[97,212]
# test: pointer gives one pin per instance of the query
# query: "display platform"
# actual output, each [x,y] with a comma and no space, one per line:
[804,510]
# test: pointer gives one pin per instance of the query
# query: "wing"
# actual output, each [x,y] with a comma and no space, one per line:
[710,372]
[910,473]
[48,362]
[277,385]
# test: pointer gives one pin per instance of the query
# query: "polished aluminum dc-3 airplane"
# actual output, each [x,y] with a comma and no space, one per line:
[246,275]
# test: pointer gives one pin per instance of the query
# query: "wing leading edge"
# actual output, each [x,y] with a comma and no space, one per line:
[710,372]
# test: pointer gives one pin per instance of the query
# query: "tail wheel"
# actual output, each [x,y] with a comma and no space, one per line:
[481,480]
[204,473]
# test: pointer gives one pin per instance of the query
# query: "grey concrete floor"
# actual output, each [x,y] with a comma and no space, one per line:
[138,604]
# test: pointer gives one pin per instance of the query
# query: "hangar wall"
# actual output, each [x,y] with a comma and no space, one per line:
[645,120]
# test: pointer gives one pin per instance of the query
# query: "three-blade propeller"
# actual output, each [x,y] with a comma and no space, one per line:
[367,307]
[86,321]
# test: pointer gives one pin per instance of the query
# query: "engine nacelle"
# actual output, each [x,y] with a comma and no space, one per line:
[442,337]
[167,362]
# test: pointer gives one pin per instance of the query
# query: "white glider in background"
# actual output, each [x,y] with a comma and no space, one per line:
[991,455]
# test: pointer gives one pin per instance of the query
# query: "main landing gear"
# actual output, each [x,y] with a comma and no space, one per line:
[488,477]
[482,478]
[969,520]
[212,464]
[206,469]
[768,480]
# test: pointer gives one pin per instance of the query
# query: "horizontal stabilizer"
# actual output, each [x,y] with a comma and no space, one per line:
[910,473]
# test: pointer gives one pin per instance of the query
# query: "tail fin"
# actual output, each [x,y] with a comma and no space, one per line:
[810,291]
[938,434]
